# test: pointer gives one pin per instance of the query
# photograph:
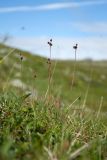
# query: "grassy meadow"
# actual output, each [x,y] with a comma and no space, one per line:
[54,110]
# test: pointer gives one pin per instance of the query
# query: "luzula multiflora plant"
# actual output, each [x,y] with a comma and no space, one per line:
[49,66]
[21,66]
[73,78]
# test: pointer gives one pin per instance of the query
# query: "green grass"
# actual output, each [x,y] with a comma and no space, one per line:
[27,130]
[68,124]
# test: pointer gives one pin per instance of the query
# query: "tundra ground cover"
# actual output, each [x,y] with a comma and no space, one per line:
[68,124]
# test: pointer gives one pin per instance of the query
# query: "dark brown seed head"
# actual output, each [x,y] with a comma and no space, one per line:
[48,61]
[50,42]
[35,76]
[75,47]
[21,57]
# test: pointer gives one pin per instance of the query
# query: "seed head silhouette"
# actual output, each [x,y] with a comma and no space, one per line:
[50,42]
[75,47]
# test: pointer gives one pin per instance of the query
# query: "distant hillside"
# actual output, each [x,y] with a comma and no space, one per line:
[31,75]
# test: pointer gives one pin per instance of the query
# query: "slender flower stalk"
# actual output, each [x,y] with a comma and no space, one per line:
[49,68]
[2,60]
[21,69]
[75,48]
[50,45]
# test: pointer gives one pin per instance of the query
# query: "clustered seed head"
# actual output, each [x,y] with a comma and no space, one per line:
[35,75]
[50,43]
[75,47]
[21,57]
[49,61]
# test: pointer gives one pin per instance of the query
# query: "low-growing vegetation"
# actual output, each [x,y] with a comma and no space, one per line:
[45,115]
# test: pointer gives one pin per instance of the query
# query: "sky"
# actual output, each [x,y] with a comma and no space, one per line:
[29,24]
